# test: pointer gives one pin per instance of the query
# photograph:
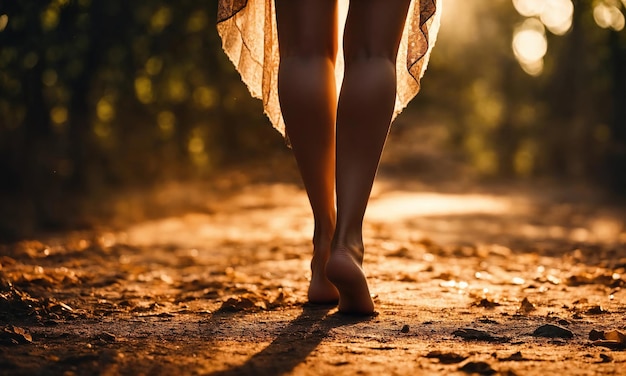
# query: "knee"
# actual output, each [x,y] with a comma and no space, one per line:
[304,53]
[308,48]
[369,57]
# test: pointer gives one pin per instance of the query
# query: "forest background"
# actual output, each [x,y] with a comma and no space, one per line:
[101,96]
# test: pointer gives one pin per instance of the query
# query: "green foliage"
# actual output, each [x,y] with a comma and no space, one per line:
[567,122]
[94,93]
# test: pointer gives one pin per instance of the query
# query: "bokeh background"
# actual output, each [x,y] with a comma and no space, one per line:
[98,97]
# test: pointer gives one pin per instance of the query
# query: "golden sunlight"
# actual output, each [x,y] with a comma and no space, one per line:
[607,15]
[401,206]
[528,8]
[530,46]
[105,109]
[556,15]
[143,89]
[4,20]
[59,114]
[166,121]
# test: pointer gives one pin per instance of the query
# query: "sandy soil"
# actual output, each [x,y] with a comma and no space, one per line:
[487,282]
[211,279]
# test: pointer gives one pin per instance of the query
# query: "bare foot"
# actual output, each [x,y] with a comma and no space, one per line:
[344,271]
[321,291]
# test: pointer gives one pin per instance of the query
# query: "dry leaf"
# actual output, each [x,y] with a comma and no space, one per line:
[552,331]
[446,357]
[526,307]
[481,368]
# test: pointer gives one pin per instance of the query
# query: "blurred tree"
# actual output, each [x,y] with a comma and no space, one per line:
[101,94]
[533,87]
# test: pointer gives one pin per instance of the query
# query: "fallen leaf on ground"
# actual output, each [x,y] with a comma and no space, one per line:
[446,357]
[614,339]
[605,358]
[240,304]
[107,337]
[516,357]
[470,334]
[595,335]
[13,335]
[596,310]
[552,331]
[486,303]
[526,307]
[481,368]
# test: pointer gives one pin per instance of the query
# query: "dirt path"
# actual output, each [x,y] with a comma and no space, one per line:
[480,282]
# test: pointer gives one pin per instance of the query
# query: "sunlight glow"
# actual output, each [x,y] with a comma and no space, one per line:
[4,20]
[197,148]
[160,19]
[154,65]
[198,21]
[177,89]
[105,109]
[528,8]
[143,89]
[530,46]
[102,130]
[401,206]
[607,15]
[49,77]
[205,97]
[58,115]
[556,15]
[166,121]
[279,214]
[50,18]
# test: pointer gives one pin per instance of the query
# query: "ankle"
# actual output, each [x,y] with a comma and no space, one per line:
[352,245]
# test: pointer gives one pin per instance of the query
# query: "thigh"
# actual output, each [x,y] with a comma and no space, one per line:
[307,27]
[374,28]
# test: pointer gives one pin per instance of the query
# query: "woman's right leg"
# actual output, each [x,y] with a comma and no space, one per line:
[371,40]
[307,33]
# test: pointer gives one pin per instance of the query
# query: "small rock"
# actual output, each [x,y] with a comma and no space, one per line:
[238,304]
[552,331]
[609,344]
[613,339]
[470,334]
[595,335]
[481,368]
[486,303]
[446,357]
[107,337]
[405,329]
[516,357]
[605,358]
[486,320]
[526,306]
[596,310]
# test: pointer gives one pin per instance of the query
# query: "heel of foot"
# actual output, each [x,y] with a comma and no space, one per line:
[347,275]
[322,291]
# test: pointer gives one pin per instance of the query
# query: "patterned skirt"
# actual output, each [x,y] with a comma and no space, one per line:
[249,38]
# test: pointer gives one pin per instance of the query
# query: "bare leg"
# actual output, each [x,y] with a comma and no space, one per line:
[307,35]
[366,102]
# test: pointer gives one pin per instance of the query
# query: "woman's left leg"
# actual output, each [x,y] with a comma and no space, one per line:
[307,34]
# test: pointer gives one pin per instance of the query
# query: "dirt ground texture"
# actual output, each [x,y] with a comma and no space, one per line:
[508,280]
